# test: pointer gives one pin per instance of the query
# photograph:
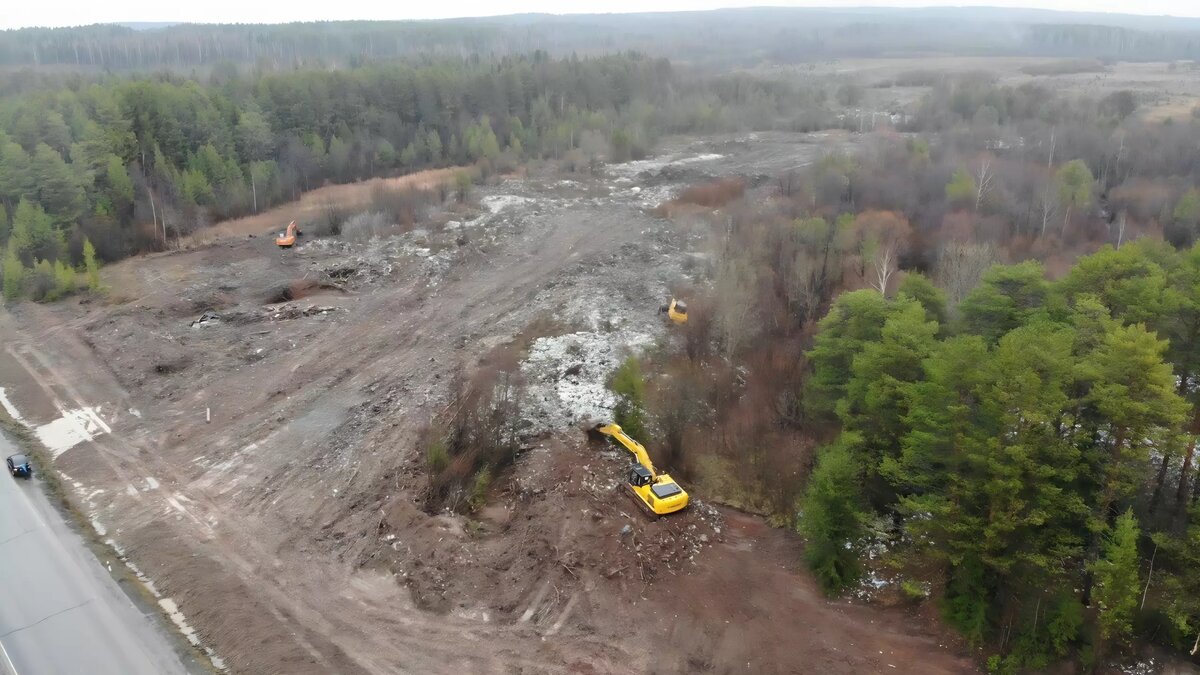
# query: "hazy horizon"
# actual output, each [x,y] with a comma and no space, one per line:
[228,11]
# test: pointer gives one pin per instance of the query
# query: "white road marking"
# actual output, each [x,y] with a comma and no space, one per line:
[9,407]
[8,664]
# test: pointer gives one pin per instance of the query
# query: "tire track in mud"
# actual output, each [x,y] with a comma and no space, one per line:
[486,295]
[125,463]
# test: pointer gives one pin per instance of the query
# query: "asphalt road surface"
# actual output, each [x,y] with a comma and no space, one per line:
[60,611]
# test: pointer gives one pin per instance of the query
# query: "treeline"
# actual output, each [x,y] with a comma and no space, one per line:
[862,367]
[348,43]
[1029,171]
[132,163]
[1113,42]
[988,175]
[1035,444]
[721,37]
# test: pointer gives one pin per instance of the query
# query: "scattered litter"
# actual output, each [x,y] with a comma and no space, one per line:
[206,319]
[567,376]
[293,312]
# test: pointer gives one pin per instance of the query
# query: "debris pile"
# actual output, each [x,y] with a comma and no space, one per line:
[293,312]
[566,376]
[206,319]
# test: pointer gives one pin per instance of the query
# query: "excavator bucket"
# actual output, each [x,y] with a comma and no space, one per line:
[593,432]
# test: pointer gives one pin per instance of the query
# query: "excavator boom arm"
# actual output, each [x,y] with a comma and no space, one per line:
[638,451]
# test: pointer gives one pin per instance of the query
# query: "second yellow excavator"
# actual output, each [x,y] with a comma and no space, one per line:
[288,239]
[655,492]
[676,311]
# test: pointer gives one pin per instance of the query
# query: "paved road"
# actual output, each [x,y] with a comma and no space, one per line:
[60,611]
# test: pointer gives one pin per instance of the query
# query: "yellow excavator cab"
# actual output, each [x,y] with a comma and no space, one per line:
[288,238]
[655,492]
[676,311]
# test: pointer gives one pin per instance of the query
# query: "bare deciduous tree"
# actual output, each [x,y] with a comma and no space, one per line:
[883,236]
[1049,203]
[735,304]
[983,181]
[960,266]
[884,262]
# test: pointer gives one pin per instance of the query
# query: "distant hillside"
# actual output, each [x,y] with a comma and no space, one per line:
[722,37]
[147,25]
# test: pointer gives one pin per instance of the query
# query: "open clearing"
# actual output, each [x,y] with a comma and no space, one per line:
[1162,89]
[262,467]
[312,204]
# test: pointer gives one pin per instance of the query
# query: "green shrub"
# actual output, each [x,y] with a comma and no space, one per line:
[41,282]
[14,276]
[912,590]
[966,603]
[629,386]
[64,279]
[833,516]
[90,265]
[483,480]
[437,457]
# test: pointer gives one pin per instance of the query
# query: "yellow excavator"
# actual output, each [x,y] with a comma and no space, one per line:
[676,311]
[655,492]
[288,239]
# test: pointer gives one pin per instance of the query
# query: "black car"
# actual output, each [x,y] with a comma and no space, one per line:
[19,467]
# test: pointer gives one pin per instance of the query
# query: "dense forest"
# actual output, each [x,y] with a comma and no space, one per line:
[134,162]
[1037,447]
[903,349]
[722,37]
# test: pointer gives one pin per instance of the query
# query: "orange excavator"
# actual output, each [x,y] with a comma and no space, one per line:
[288,239]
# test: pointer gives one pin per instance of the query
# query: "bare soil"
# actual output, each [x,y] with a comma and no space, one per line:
[312,203]
[262,467]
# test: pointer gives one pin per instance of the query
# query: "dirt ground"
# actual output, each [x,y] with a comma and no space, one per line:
[261,467]
[311,203]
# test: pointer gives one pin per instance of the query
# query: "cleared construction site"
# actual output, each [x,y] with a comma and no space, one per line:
[249,426]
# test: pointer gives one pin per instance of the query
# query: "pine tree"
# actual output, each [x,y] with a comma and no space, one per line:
[833,515]
[14,275]
[90,266]
[120,186]
[64,279]
[58,187]
[1008,296]
[33,234]
[918,287]
[878,392]
[1117,585]
[1132,400]
[1126,280]
[855,320]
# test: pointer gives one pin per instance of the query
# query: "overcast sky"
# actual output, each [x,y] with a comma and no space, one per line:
[19,13]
